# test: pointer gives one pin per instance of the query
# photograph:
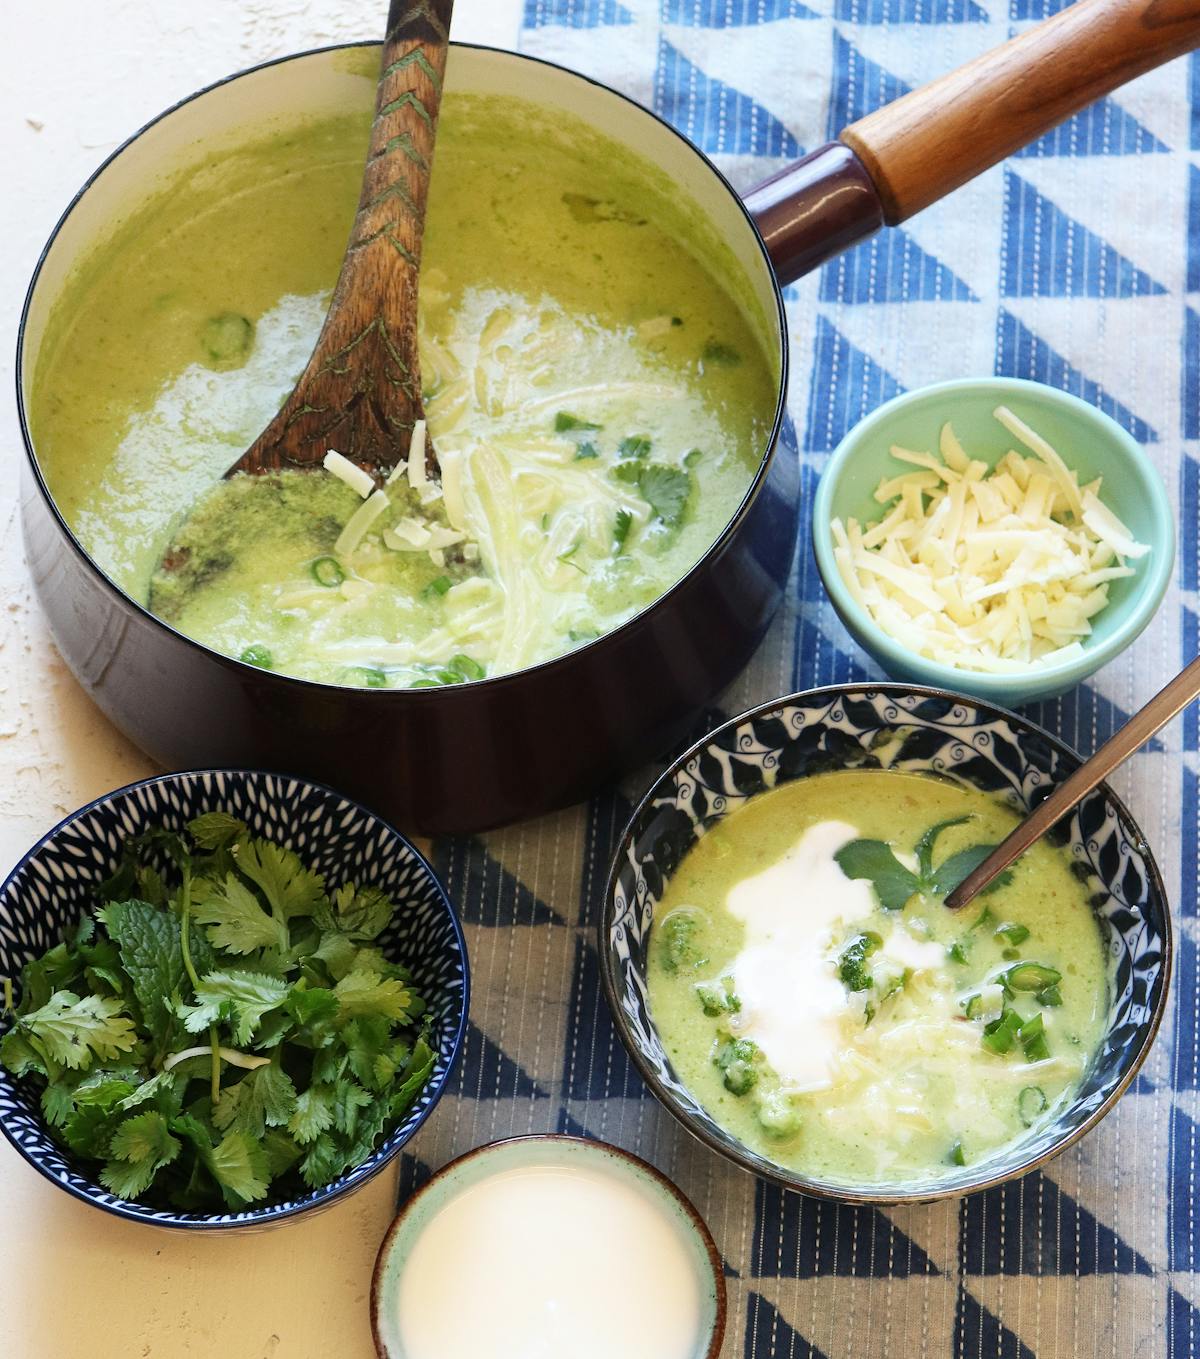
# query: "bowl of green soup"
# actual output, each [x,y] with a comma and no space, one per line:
[603,355]
[783,971]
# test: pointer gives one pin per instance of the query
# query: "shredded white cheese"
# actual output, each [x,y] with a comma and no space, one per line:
[357,478]
[993,570]
[359,522]
[417,474]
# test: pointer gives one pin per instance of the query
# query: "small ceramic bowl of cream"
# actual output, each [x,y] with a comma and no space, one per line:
[553,1236]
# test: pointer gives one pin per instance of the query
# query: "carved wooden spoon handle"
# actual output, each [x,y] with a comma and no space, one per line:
[361,390]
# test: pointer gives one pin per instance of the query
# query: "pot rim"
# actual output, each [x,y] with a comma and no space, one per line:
[592,1144]
[780,1175]
[492,682]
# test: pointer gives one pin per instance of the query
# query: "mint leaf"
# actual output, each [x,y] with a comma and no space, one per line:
[952,871]
[263,1098]
[216,830]
[147,938]
[235,920]
[666,491]
[234,997]
[74,1030]
[290,889]
[162,1087]
[873,859]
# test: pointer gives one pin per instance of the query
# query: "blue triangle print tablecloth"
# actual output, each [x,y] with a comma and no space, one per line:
[1076,263]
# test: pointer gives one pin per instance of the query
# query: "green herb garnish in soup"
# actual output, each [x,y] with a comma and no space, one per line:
[598,399]
[816,996]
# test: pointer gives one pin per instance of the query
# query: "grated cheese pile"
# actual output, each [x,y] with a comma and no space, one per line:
[987,570]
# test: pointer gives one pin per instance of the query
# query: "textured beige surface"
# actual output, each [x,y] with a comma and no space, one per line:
[76,77]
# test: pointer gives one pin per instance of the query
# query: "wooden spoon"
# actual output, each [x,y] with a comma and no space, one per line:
[1116,750]
[361,391]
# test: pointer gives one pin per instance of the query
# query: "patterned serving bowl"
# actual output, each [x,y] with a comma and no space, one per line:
[865,726]
[53,886]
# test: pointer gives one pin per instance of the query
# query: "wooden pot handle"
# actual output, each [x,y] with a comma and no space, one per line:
[925,144]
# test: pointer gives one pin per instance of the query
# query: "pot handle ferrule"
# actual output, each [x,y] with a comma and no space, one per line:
[815,209]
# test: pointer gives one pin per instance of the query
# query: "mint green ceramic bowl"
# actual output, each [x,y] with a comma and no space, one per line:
[1086,439]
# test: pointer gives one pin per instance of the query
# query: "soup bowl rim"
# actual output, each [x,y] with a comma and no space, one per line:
[735,1150]
[493,683]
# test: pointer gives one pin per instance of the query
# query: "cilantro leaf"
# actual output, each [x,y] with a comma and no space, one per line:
[281,1152]
[216,830]
[419,1071]
[924,846]
[622,523]
[74,1030]
[666,491]
[369,1050]
[323,1162]
[634,446]
[873,859]
[348,1098]
[364,992]
[149,944]
[235,920]
[88,1131]
[239,1165]
[263,1098]
[564,421]
[290,889]
[359,913]
[313,1113]
[237,997]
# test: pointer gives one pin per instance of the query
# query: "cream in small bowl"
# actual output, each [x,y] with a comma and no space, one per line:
[554,1238]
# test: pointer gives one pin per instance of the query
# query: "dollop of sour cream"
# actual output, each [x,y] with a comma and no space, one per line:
[521,1265]
[793,1002]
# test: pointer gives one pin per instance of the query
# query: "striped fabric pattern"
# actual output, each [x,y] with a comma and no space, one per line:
[1077,263]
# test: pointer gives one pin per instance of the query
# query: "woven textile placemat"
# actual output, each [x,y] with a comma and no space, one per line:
[1077,263]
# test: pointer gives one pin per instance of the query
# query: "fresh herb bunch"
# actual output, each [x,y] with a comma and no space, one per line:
[224,1032]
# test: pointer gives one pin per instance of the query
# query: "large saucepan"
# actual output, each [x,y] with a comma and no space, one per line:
[481,754]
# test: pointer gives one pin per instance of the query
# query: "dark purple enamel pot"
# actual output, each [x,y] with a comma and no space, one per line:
[462,757]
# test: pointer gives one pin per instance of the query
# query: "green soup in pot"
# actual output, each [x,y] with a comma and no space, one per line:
[598,398]
[815,995]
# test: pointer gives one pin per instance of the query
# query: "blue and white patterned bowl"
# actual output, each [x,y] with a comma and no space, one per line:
[52,886]
[849,727]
